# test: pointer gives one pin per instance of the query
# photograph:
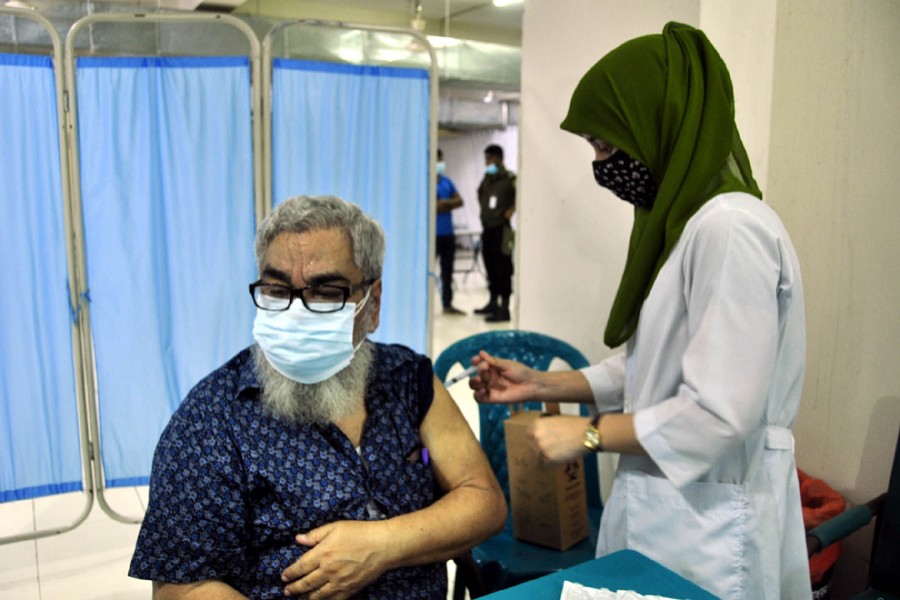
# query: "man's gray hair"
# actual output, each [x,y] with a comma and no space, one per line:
[313,213]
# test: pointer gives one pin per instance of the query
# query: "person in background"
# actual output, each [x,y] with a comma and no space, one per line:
[448,199]
[316,463]
[701,403]
[497,197]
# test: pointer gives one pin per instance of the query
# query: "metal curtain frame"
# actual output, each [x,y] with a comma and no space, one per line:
[266,207]
[90,382]
[73,285]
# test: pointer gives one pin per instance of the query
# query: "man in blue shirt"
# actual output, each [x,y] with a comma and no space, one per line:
[316,463]
[448,199]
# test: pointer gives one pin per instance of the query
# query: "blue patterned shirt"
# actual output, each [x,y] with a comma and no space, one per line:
[231,486]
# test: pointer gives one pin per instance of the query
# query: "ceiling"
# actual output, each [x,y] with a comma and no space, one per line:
[473,12]
[479,85]
[468,19]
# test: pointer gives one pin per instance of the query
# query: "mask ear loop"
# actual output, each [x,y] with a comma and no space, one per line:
[358,309]
[362,303]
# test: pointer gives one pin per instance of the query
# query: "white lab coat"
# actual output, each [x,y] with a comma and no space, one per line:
[713,375]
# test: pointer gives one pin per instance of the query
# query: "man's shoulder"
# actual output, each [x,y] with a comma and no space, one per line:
[446,185]
[390,357]
[506,180]
[402,379]
[225,382]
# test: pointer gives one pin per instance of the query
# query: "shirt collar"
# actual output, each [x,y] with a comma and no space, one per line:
[247,379]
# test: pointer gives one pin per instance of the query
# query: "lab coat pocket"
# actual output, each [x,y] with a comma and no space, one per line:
[698,531]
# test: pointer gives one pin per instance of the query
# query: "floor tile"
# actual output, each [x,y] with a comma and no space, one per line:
[60,511]
[29,590]
[468,295]
[90,563]
[125,501]
[143,493]
[16,518]
[19,571]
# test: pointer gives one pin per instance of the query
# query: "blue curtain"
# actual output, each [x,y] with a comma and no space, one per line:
[39,442]
[167,199]
[361,133]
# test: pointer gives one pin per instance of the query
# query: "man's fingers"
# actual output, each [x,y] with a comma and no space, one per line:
[314,536]
[326,592]
[300,568]
[306,585]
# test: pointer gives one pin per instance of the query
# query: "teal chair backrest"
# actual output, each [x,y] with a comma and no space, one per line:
[537,350]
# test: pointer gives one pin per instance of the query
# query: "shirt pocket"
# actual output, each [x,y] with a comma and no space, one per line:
[404,486]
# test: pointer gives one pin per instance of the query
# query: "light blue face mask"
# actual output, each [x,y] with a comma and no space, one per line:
[491,169]
[304,346]
[440,167]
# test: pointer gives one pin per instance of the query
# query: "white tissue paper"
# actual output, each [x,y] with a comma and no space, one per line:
[576,591]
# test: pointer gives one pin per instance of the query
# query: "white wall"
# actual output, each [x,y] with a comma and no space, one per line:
[834,178]
[817,88]
[744,35]
[573,234]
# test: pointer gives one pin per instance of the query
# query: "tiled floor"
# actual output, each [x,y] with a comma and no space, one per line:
[90,562]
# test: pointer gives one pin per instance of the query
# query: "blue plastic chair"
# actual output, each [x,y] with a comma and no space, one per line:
[503,561]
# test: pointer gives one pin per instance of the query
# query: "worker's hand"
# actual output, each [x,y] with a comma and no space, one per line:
[343,558]
[502,381]
[558,439]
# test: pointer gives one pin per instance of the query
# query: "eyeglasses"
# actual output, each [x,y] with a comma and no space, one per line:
[316,298]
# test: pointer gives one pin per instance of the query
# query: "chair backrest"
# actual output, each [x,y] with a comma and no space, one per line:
[536,350]
[884,571]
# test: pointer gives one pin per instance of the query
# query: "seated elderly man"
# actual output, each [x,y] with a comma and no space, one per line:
[316,463]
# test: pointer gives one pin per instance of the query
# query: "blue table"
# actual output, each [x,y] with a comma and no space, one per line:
[623,570]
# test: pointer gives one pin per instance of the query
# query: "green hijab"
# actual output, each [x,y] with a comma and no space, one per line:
[666,100]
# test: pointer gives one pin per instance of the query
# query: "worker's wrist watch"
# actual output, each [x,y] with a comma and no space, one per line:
[593,441]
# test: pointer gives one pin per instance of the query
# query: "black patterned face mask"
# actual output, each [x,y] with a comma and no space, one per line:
[626,178]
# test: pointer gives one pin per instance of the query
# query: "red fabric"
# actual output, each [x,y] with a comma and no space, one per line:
[820,502]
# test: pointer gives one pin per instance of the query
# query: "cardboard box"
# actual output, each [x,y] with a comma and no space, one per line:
[548,502]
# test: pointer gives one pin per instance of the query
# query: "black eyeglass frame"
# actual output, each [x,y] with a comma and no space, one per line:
[295,293]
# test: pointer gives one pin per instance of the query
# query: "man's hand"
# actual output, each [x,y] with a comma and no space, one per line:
[501,381]
[343,558]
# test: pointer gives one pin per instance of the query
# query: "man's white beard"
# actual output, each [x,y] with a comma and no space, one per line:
[319,403]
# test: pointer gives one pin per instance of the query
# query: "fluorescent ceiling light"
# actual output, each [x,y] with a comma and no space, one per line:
[502,3]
